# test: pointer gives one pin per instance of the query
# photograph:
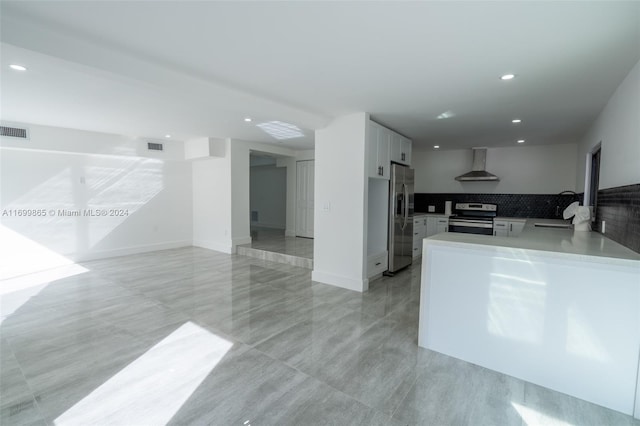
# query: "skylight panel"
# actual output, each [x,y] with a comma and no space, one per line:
[281,130]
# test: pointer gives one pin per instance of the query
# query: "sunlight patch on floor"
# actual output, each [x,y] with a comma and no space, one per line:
[26,268]
[531,417]
[152,389]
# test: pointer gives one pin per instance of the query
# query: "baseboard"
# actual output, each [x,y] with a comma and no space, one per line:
[125,251]
[268,225]
[225,246]
[354,284]
[289,233]
[235,242]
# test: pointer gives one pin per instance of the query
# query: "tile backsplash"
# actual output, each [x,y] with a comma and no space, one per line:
[544,206]
[620,209]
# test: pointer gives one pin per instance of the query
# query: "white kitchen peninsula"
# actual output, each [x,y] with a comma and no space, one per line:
[553,307]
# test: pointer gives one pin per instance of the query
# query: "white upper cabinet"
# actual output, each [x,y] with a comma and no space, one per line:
[406,151]
[400,149]
[378,140]
[386,146]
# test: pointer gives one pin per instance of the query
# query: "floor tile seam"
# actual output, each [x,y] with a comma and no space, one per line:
[377,346]
[318,380]
[409,389]
[291,292]
[110,325]
[145,296]
[29,387]
[259,342]
[395,310]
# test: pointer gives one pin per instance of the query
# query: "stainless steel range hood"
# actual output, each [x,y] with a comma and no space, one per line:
[478,172]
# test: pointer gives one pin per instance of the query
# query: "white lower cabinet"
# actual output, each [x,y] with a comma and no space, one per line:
[437,225]
[432,226]
[426,226]
[516,227]
[442,225]
[500,228]
[377,263]
[419,233]
[508,227]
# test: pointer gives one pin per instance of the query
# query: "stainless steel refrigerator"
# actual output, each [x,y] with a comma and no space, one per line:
[400,217]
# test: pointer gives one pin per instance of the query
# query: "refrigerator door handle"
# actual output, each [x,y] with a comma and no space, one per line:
[404,206]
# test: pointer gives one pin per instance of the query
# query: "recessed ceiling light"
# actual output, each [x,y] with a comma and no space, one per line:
[508,77]
[247,119]
[520,140]
[516,120]
[17,67]
[436,146]
[167,136]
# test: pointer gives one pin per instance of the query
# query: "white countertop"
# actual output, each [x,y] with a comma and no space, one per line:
[561,242]
[431,214]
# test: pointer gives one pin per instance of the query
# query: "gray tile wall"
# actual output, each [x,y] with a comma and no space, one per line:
[620,208]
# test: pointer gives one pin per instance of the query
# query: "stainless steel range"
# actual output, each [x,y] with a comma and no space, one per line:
[473,218]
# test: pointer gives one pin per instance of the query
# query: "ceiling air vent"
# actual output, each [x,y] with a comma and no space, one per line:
[151,146]
[14,132]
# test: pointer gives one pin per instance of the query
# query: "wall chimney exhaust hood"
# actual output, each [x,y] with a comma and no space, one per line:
[478,172]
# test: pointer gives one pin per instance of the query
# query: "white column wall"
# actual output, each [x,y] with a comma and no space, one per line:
[212,202]
[340,203]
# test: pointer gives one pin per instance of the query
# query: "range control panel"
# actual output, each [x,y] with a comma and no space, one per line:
[477,207]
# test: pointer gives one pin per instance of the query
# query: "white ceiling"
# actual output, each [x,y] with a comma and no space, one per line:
[198,68]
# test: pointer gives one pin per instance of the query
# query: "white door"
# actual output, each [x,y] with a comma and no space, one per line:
[304,199]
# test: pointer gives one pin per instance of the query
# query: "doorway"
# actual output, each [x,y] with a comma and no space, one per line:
[267,194]
[278,185]
[592,180]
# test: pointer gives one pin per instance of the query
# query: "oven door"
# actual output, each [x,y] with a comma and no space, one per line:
[471,226]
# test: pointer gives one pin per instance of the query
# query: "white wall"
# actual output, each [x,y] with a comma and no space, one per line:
[541,169]
[340,203]
[58,139]
[147,200]
[268,185]
[212,203]
[618,128]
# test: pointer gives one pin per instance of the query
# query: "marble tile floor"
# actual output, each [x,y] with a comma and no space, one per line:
[195,337]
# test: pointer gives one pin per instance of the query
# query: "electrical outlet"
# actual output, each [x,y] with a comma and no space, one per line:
[603,226]
[432,209]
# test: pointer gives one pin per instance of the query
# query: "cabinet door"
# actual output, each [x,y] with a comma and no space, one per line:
[383,153]
[374,166]
[501,228]
[405,153]
[396,148]
[515,228]
[432,226]
[442,225]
